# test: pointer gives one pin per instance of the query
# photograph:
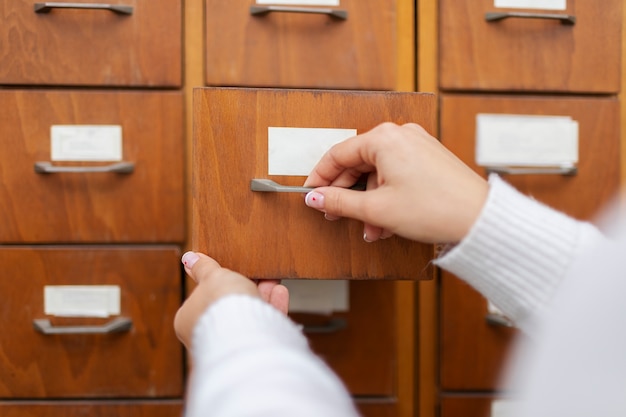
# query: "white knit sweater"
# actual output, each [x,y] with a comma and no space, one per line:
[250,360]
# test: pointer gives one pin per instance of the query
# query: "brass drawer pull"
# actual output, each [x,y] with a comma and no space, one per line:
[263,10]
[48,6]
[333,325]
[117,325]
[564,170]
[264,185]
[497,16]
[118,168]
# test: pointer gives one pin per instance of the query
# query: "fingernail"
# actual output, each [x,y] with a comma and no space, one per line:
[365,238]
[314,200]
[189,259]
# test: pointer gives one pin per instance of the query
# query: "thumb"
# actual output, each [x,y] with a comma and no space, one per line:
[338,202]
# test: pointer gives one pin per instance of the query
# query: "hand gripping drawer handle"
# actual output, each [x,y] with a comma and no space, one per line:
[117,325]
[48,6]
[263,10]
[497,16]
[269,186]
[118,168]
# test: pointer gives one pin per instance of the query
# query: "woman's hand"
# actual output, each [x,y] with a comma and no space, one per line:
[214,282]
[416,188]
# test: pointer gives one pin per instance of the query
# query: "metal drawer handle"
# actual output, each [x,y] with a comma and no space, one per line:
[498,320]
[48,6]
[117,325]
[118,168]
[497,16]
[263,10]
[564,170]
[333,325]
[264,185]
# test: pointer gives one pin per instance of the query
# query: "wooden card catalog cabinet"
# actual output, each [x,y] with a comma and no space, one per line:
[569,46]
[274,235]
[121,43]
[347,44]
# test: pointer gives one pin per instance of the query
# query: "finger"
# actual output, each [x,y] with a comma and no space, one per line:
[371,233]
[339,202]
[265,287]
[199,266]
[279,298]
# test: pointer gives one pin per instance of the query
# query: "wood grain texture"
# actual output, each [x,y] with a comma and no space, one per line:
[117,408]
[464,331]
[267,235]
[466,406]
[302,50]
[144,206]
[146,361]
[530,54]
[92,47]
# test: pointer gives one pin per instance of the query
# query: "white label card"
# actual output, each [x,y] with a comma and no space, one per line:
[296,150]
[318,296]
[532,4]
[526,140]
[86,143]
[82,300]
[300,2]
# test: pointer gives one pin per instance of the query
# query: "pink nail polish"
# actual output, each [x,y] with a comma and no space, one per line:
[314,200]
[189,259]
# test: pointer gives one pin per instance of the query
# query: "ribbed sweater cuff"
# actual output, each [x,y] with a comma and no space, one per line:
[518,251]
[239,322]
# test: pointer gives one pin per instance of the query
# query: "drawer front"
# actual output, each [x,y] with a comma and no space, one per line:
[145,205]
[465,331]
[274,235]
[358,344]
[144,360]
[90,46]
[170,408]
[466,406]
[530,54]
[295,49]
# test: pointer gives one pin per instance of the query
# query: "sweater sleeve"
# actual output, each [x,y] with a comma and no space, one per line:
[518,251]
[251,360]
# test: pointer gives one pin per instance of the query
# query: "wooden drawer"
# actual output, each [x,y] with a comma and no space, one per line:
[530,54]
[164,408]
[91,47]
[290,49]
[144,360]
[146,205]
[464,331]
[359,344]
[466,406]
[274,235]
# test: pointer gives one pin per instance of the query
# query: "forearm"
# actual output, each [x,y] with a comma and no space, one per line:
[518,251]
[250,360]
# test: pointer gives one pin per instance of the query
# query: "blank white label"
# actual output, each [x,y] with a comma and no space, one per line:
[525,140]
[301,2]
[318,296]
[296,150]
[82,300]
[532,4]
[86,143]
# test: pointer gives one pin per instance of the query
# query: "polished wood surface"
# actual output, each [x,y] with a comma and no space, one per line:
[364,352]
[144,206]
[114,408]
[146,361]
[92,47]
[530,54]
[473,351]
[466,406]
[268,235]
[302,50]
